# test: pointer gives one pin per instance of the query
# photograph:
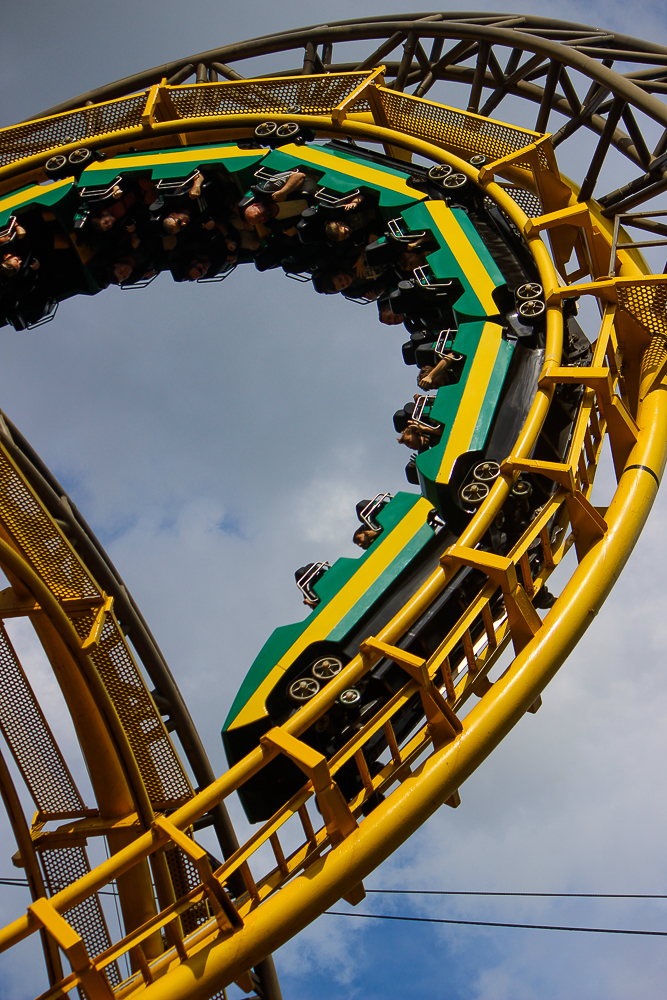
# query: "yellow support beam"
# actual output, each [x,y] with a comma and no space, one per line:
[443,723]
[339,821]
[93,981]
[226,915]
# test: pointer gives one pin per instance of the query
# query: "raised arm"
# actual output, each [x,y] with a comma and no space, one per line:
[293,183]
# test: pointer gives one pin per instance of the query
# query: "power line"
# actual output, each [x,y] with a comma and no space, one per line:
[538,895]
[462,892]
[490,923]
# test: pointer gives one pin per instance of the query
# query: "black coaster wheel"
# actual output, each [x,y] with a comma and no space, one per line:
[454,182]
[326,668]
[529,290]
[439,172]
[474,494]
[266,131]
[79,157]
[56,166]
[532,310]
[288,132]
[522,489]
[303,689]
[486,472]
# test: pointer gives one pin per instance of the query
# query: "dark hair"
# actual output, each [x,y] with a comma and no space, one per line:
[130,261]
[323,282]
[357,537]
[365,543]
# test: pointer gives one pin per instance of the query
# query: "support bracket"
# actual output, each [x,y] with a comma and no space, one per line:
[444,725]
[226,915]
[93,981]
[588,525]
[336,813]
[523,619]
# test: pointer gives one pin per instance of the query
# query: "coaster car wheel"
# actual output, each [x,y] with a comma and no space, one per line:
[288,132]
[531,310]
[303,689]
[56,166]
[522,489]
[530,290]
[454,182]
[265,130]
[439,173]
[326,668]
[79,157]
[350,697]
[474,494]
[486,472]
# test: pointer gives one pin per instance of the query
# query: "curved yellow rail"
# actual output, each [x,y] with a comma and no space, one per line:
[624,399]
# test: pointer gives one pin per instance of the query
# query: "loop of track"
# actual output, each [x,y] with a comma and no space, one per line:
[624,399]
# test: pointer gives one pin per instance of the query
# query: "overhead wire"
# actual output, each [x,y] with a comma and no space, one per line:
[491,923]
[537,895]
[467,892]
[18,882]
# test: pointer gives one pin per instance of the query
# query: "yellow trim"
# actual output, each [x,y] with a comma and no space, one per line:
[158,158]
[31,193]
[338,606]
[459,243]
[303,154]
[357,170]
[472,400]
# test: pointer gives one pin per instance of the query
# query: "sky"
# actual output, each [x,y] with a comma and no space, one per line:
[218,437]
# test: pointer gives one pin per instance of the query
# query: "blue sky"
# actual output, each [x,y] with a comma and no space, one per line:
[217,437]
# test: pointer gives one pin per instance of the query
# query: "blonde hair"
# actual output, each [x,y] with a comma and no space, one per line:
[8,268]
[411,436]
[336,231]
[172,225]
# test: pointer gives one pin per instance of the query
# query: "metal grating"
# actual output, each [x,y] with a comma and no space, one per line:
[647,304]
[61,867]
[31,741]
[56,562]
[654,356]
[39,539]
[311,95]
[160,768]
[53,790]
[454,127]
[73,126]
[184,877]
[526,200]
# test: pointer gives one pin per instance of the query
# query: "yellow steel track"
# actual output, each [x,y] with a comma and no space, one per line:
[136,777]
